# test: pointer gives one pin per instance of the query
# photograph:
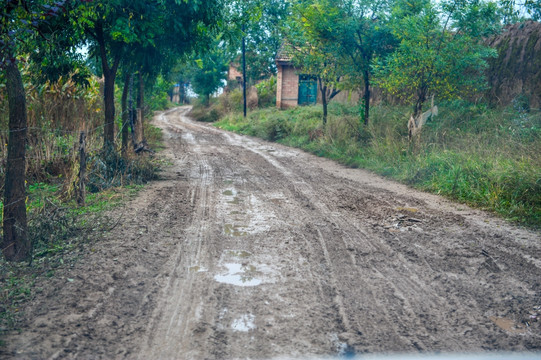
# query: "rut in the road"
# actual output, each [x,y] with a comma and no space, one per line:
[256,250]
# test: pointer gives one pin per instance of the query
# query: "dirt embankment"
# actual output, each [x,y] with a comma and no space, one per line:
[247,249]
[516,71]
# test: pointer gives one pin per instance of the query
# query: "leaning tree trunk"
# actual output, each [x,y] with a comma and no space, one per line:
[16,245]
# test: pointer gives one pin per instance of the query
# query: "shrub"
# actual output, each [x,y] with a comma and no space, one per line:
[235,100]
[107,170]
[266,91]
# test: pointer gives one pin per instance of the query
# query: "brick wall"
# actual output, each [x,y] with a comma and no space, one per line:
[233,73]
[287,87]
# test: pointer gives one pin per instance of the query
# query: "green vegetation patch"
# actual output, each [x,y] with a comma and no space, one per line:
[487,158]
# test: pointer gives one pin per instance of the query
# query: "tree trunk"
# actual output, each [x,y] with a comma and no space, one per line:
[418,107]
[125,115]
[324,102]
[132,113]
[417,112]
[243,72]
[323,90]
[366,97]
[16,245]
[109,75]
[181,94]
[109,104]
[139,135]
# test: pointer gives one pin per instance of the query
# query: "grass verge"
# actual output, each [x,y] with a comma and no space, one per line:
[486,158]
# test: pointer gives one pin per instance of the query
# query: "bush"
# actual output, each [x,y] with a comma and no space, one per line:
[107,170]
[235,100]
[211,113]
[272,127]
[266,92]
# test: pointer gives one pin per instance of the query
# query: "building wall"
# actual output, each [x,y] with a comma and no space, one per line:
[278,86]
[287,87]
[234,73]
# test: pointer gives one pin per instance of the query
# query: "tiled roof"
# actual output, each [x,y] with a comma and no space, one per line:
[284,53]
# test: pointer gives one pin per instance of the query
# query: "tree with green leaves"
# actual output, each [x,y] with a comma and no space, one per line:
[313,52]
[261,23]
[440,52]
[207,72]
[138,31]
[19,25]
[352,32]
[516,10]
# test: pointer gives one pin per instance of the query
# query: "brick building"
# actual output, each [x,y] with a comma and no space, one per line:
[233,72]
[292,87]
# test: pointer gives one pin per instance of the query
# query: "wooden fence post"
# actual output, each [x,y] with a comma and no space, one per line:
[82,169]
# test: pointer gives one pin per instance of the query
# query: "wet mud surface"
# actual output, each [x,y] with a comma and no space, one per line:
[247,249]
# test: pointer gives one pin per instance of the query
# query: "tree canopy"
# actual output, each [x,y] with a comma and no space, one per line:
[440,51]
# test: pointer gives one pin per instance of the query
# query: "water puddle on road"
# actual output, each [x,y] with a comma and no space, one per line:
[241,271]
[239,275]
[197,269]
[244,324]
[234,230]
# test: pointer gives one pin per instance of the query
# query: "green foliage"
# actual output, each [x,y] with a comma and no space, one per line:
[236,100]
[211,112]
[515,11]
[266,92]
[207,72]
[337,41]
[440,53]
[484,157]
[260,22]
[205,114]
[159,98]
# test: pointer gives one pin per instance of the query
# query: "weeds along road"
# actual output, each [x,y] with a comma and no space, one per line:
[247,249]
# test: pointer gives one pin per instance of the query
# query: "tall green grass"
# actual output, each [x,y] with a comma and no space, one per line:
[487,158]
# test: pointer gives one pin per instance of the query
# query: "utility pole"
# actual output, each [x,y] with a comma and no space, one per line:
[244,69]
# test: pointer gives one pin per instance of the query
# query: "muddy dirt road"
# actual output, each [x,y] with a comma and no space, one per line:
[247,249]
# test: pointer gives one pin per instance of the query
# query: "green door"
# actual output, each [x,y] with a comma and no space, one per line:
[307,90]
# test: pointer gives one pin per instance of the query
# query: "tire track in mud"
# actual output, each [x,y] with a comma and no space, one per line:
[218,337]
[247,249]
[401,281]
[319,221]
[433,303]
